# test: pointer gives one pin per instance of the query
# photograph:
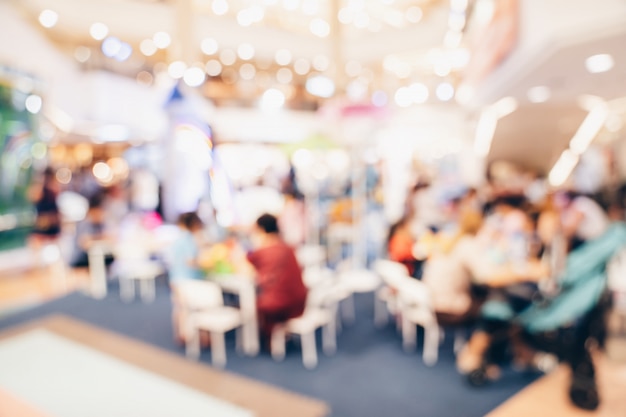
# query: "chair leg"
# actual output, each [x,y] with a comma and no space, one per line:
[431,344]
[218,349]
[192,340]
[408,335]
[241,342]
[381,318]
[348,310]
[459,339]
[309,350]
[329,338]
[278,343]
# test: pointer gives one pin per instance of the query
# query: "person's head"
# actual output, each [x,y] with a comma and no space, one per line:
[508,202]
[190,221]
[548,226]
[268,224]
[95,212]
[470,222]
[563,198]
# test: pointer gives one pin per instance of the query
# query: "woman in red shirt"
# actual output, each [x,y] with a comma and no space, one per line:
[281,293]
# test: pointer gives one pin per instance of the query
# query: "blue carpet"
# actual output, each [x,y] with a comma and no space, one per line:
[369,375]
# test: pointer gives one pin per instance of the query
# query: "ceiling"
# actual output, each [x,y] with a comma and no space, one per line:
[553,42]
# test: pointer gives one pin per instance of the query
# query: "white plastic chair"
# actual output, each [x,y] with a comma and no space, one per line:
[203,304]
[355,281]
[320,312]
[416,309]
[133,264]
[392,274]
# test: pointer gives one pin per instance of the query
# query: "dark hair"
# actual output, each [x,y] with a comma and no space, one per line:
[190,220]
[513,200]
[268,223]
[96,201]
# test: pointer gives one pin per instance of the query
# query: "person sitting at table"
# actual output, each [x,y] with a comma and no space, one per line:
[185,250]
[88,231]
[183,266]
[281,292]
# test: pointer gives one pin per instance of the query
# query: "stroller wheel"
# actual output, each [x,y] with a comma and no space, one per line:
[478,377]
[584,394]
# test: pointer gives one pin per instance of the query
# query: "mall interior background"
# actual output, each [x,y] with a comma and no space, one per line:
[210,105]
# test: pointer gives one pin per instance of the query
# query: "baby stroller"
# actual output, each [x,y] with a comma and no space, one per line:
[563,322]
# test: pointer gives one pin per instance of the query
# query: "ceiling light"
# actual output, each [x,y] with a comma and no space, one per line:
[589,128]
[256,13]
[283,57]
[98,31]
[162,40]
[379,98]
[228,57]
[321,62]
[213,68]
[445,91]
[442,68]
[220,7]
[310,7]
[301,66]
[147,47]
[403,97]
[245,18]
[48,18]
[452,39]
[319,27]
[82,54]
[419,93]
[458,5]
[111,46]
[101,171]
[245,51]
[284,76]
[124,53]
[484,132]
[589,102]
[413,14]
[209,46]
[145,78]
[356,90]
[599,63]
[194,77]
[272,99]
[345,15]
[504,106]
[177,69]
[247,71]
[538,94]
[33,103]
[563,168]
[321,86]
[291,4]
[456,21]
